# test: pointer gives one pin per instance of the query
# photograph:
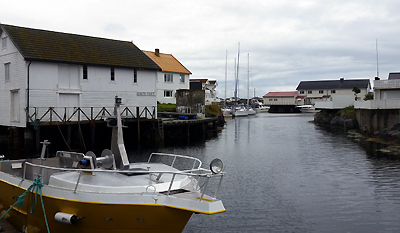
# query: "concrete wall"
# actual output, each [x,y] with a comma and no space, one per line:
[191,101]
[372,120]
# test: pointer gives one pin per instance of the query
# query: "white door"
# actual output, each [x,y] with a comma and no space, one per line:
[69,102]
[15,106]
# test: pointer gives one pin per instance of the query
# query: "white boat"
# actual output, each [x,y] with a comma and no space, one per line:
[260,108]
[250,111]
[75,192]
[307,108]
[240,112]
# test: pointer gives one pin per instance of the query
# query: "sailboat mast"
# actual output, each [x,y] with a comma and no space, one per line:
[377,63]
[235,94]
[226,78]
[237,69]
[248,77]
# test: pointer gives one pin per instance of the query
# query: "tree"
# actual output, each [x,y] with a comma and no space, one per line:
[356,91]
[369,96]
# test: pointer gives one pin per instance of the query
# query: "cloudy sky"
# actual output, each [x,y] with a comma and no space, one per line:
[287,41]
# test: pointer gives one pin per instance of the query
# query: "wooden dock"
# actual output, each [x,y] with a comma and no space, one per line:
[6,227]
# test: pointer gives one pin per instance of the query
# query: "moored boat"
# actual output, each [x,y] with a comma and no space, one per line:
[75,192]
[307,108]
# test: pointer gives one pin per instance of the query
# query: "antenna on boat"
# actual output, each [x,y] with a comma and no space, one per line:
[377,62]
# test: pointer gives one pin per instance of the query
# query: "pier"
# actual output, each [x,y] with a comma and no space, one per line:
[83,129]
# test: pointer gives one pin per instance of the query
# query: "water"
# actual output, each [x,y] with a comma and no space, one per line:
[285,174]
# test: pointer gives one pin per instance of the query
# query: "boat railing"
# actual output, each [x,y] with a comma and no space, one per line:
[200,174]
[194,162]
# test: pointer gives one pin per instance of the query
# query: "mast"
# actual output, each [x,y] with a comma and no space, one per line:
[226,67]
[377,63]
[235,94]
[248,78]
[237,73]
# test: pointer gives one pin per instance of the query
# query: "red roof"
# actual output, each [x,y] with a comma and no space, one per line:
[281,94]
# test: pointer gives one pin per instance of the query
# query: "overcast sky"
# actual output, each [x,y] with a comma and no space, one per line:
[287,41]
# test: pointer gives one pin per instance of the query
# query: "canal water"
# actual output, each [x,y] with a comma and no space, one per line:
[285,174]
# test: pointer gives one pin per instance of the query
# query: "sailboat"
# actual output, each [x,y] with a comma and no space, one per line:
[249,109]
[226,111]
[238,111]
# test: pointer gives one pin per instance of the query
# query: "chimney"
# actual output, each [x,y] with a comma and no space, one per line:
[157,52]
[341,79]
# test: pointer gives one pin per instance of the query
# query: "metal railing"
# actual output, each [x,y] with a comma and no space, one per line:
[46,171]
[68,114]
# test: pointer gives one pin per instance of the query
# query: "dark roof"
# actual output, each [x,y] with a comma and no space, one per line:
[41,45]
[333,84]
[394,76]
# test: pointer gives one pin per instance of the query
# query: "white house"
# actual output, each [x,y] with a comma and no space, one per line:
[43,69]
[173,76]
[386,94]
[326,90]
[282,98]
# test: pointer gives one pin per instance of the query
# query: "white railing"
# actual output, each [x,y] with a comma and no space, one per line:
[45,172]
[380,84]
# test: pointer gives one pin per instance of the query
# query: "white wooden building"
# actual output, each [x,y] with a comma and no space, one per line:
[43,69]
[173,76]
[326,90]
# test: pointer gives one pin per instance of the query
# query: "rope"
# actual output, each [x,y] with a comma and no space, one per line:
[36,186]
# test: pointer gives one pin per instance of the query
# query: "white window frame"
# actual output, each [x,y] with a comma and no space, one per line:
[301,92]
[14,109]
[4,43]
[85,73]
[333,91]
[168,93]
[321,91]
[7,71]
[309,92]
[168,78]
[182,78]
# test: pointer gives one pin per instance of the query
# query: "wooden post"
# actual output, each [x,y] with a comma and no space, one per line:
[138,124]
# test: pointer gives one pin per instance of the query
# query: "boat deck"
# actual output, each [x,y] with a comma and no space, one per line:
[6,227]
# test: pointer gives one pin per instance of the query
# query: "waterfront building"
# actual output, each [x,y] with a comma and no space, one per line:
[282,98]
[40,69]
[173,76]
[328,90]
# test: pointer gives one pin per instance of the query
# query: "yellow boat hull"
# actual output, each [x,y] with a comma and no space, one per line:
[96,217]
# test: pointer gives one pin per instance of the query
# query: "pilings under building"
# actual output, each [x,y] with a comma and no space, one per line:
[84,132]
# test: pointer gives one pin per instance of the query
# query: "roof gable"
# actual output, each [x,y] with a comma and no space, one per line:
[334,84]
[167,62]
[42,45]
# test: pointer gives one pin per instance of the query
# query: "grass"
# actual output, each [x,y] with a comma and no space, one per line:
[166,107]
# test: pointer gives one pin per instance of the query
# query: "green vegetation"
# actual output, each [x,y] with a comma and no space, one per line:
[369,96]
[356,91]
[213,109]
[166,107]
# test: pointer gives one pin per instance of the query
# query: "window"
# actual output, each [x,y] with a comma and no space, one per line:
[270,99]
[4,42]
[85,74]
[168,78]
[333,91]
[112,74]
[15,107]
[7,71]
[168,93]
[135,76]
[301,92]
[275,99]
[309,92]
[321,91]
[182,78]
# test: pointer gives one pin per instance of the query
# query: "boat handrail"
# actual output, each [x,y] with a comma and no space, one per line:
[183,172]
[201,172]
[177,156]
